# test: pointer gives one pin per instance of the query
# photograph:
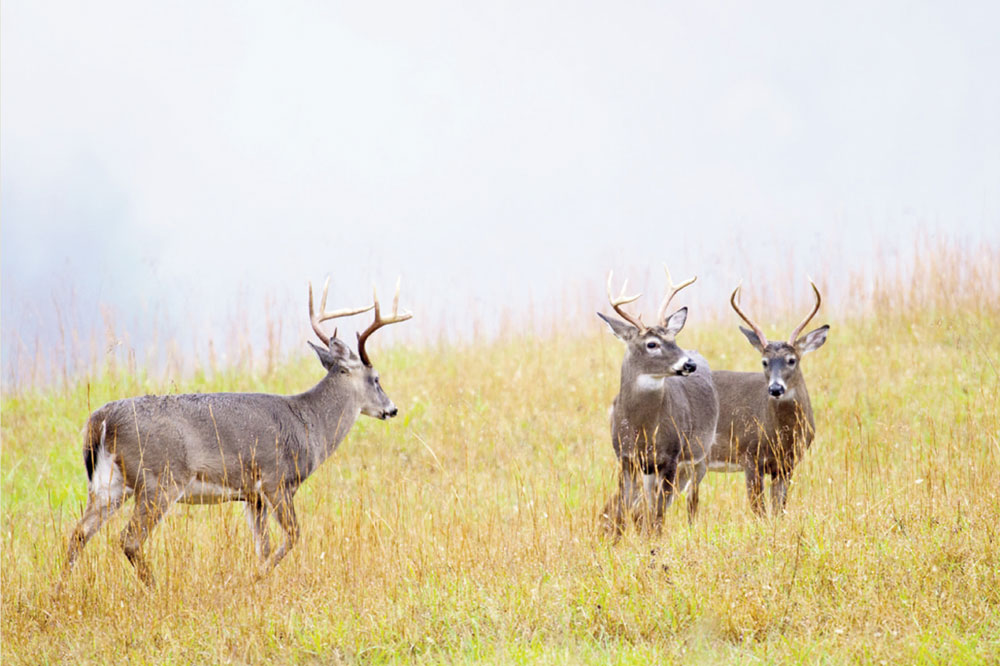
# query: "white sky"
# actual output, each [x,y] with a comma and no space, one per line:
[175,158]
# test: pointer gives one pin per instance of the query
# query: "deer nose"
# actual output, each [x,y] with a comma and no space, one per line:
[689,367]
[776,390]
[392,412]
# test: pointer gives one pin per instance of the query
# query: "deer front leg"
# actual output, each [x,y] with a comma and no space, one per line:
[779,491]
[256,511]
[284,512]
[624,499]
[665,491]
[755,491]
[698,473]
[151,503]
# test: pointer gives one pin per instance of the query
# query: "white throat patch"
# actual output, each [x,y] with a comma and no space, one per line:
[650,382]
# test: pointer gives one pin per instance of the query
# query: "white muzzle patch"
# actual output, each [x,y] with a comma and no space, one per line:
[679,365]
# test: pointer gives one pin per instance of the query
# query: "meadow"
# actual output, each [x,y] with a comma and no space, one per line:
[465,530]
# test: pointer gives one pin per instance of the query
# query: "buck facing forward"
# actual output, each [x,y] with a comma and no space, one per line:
[766,420]
[220,447]
[663,419]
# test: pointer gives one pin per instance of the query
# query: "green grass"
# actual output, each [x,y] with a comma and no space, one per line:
[465,529]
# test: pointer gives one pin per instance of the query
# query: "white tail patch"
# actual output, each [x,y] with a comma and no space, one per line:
[107,482]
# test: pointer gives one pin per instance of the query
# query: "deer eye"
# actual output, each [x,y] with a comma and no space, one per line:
[652,344]
[764,362]
[790,361]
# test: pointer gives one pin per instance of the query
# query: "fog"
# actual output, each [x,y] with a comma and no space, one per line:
[191,165]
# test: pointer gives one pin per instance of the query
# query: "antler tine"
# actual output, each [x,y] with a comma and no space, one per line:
[798,329]
[662,314]
[622,299]
[394,318]
[734,300]
[315,319]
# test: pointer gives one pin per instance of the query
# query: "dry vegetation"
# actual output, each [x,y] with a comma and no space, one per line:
[465,529]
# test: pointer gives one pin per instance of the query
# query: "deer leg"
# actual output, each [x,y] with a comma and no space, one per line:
[666,490]
[284,513]
[755,491]
[779,491]
[256,511]
[98,510]
[621,502]
[698,473]
[151,503]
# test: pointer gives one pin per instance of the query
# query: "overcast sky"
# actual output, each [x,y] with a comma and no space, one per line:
[185,160]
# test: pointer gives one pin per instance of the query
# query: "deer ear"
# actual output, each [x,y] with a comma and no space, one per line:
[675,322]
[622,331]
[754,340]
[812,340]
[336,356]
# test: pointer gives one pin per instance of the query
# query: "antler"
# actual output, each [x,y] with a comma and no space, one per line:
[379,323]
[798,329]
[733,300]
[662,314]
[324,316]
[622,299]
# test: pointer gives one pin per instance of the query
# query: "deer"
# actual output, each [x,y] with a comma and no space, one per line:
[766,420]
[663,420]
[208,448]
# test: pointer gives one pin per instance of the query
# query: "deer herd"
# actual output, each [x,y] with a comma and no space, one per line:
[673,420]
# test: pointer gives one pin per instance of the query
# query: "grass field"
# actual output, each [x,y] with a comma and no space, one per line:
[465,529]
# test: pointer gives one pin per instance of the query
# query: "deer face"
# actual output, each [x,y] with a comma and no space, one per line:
[652,354]
[780,360]
[340,361]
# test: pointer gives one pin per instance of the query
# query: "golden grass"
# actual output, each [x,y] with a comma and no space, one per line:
[464,530]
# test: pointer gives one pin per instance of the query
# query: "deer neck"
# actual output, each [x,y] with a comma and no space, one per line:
[328,410]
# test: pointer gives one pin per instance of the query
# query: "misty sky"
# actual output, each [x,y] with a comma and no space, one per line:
[184,160]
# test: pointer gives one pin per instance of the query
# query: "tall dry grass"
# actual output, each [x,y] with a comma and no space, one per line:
[464,530]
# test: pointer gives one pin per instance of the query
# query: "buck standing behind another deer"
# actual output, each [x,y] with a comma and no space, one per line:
[221,447]
[664,417]
[766,420]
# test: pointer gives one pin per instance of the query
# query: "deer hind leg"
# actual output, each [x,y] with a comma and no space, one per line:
[256,510]
[100,507]
[284,513]
[152,500]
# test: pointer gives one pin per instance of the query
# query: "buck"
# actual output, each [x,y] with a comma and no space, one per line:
[223,447]
[663,419]
[766,420]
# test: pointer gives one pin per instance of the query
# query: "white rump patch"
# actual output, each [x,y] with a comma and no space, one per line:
[650,382]
[107,482]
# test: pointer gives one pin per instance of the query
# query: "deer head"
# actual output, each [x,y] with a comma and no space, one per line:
[342,362]
[780,360]
[652,352]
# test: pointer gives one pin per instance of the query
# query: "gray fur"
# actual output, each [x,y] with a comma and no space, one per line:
[666,432]
[215,447]
[763,435]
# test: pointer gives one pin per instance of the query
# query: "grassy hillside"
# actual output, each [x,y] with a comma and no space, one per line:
[464,530]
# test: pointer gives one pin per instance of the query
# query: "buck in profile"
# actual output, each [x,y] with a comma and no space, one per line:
[663,419]
[221,447]
[766,420]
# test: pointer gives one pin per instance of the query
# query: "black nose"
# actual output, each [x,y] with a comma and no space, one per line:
[689,367]
[776,390]
[392,412]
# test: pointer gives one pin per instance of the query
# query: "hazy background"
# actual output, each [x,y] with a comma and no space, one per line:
[185,167]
